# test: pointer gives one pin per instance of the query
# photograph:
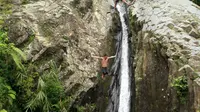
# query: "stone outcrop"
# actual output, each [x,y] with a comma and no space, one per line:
[165,40]
[67,31]
[167,45]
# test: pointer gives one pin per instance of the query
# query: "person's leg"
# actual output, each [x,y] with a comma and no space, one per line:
[102,76]
[106,71]
[103,72]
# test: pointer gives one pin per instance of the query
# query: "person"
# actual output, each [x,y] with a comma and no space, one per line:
[104,64]
[116,1]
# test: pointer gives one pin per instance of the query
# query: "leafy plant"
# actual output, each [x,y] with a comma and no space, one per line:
[86,108]
[49,92]
[5,10]
[7,95]
[9,50]
[196,2]
[3,110]
[181,87]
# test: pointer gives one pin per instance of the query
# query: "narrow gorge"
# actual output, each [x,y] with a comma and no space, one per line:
[46,48]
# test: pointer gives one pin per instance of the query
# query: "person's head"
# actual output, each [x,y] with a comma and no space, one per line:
[105,56]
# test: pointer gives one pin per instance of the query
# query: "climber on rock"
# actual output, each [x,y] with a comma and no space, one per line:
[104,64]
[116,1]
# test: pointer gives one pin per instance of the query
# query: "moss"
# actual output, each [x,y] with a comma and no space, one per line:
[196,2]
[25,1]
[181,87]
[47,29]
[82,8]
[86,108]
[5,10]
[75,3]
[25,44]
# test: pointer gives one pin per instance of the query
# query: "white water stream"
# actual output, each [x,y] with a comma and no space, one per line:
[125,93]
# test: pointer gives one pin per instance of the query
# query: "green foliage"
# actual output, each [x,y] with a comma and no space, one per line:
[25,82]
[63,105]
[196,2]
[75,3]
[7,95]
[3,110]
[9,53]
[10,63]
[49,92]
[82,9]
[181,86]
[25,1]
[5,10]
[86,108]
[21,83]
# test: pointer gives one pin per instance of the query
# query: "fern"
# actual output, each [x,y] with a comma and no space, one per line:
[9,49]
[49,92]
[19,52]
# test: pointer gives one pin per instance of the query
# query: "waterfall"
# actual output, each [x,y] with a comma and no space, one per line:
[125,96]
[120,89]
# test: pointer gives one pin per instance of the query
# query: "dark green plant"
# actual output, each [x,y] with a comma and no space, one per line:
[86,108]
[9,52]
[49,92]
[10,63]
[5,10]
[196,2]
[7,95]
[181,86]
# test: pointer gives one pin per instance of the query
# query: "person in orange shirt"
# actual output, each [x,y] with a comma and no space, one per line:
[104,64]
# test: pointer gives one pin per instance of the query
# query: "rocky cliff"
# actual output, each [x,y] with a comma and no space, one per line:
[66,31]
[167,55]
[165,39]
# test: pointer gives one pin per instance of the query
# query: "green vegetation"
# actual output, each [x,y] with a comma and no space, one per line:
[49,91]
[24,88]
[5,10]
[10,63]
[82,9]
[86,108]
[181,87]
[25,1]
[196,2]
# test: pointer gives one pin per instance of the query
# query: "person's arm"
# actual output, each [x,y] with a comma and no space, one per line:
[125,2]
[97,57]
[112,57]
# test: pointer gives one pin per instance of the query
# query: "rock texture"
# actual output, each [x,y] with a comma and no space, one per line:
[67,31]
[167,46]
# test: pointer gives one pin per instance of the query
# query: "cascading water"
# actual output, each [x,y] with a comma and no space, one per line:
[125,95]
[120,89]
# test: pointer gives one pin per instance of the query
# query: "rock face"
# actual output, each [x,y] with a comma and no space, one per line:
[167,46]
[67,31]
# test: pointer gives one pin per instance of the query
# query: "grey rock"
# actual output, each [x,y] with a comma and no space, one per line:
[66,34]
[173,34]
[194,34]
[187,28]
